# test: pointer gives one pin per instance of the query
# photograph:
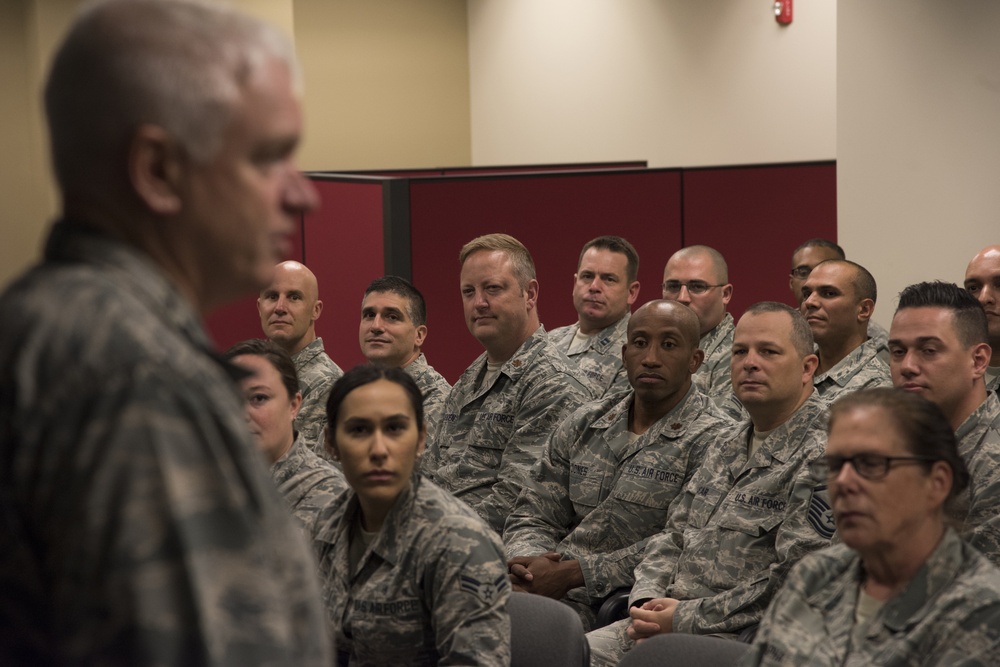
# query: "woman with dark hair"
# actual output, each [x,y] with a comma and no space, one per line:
[902,589]
[272,402]
[411,576]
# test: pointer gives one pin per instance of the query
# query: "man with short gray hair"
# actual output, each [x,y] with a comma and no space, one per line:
[139,525]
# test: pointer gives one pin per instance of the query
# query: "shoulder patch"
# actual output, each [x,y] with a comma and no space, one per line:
[820,513]
[485,591]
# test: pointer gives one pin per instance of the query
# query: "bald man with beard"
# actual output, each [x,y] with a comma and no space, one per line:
[289,308]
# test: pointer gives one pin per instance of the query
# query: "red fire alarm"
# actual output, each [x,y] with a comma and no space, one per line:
[783,11]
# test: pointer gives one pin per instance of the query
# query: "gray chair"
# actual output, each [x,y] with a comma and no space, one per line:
[681,650]
[545,633]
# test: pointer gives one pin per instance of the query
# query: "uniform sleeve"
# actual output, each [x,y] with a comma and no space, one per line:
[164,538]
[739,607]
[311,419]
[540,411]
[982,524]
[543,514]
[310,485]
[467,578]
[656,569]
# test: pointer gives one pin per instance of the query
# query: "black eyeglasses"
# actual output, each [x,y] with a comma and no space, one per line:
[869,466]
[693,286]
[801,272]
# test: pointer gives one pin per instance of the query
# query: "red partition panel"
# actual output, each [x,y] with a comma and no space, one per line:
[756,216]
[239,320]
[344,248]
[553,215]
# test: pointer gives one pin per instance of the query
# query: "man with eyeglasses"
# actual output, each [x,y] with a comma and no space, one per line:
[604,289]
[938,348]
[838,301]
[982,280]
[698,277]
[752,509]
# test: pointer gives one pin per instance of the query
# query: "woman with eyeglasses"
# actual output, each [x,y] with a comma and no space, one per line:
[902,588]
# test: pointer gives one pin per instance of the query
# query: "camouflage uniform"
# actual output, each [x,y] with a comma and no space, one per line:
[863,368]
[713,376]
[977,509]
[596,498]
[949,614]
[993,384]
[431,589]
[317,373]
[877,333]
[489,437]
[733,533]
[601,363]
[137,522]
[307,482]
[433,386]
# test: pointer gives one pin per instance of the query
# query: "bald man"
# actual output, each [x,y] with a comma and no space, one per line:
[289,308]
[982,280]
[698,277]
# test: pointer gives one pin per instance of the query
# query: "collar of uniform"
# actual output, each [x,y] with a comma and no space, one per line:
[920,595]
[308,353]
[859,358]
[518,364]
[604,341]
[387,542]
[616,408]
[713,338]
[70,241]
[970,432]
[789,436]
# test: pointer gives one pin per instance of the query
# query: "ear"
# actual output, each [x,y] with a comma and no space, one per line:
[330,443]
[696,360]
[296,404]
[317,310]
[422,440]
[981,354]
[727,294]
[624,348]
[865,310]
[941,480]
[633,292]
[809,366]
[420,335]
[156,167]
[531,294]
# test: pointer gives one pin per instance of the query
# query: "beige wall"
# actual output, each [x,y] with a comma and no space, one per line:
[918,144]
[677,82]
[387,85]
